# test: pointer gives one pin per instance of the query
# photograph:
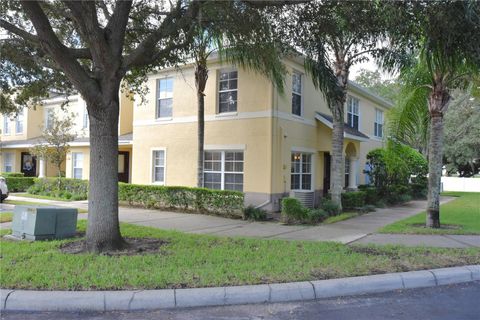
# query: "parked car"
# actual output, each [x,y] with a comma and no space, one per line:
[3,189]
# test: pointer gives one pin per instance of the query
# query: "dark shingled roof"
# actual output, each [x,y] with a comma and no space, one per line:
[347,128]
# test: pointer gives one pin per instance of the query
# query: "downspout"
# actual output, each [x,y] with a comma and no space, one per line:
[272,129]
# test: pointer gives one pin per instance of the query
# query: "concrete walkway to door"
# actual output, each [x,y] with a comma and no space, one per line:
[360,229]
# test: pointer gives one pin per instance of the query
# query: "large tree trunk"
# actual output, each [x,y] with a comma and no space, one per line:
[201,77]
[437,105]
[434,171]
[338,159]
[103,231]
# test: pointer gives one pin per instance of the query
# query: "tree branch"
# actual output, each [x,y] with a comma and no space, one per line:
[104,8]
[19,32]
[117,25]
[50,43]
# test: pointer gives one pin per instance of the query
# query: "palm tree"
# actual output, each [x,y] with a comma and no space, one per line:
[447,56]
[243,40]
[334,35]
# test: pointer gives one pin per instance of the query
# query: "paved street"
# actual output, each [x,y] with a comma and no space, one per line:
[456,302]
[359,229]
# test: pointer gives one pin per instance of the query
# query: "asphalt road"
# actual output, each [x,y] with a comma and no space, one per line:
[456,302]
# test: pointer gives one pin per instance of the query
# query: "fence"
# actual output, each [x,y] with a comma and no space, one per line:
[461,184]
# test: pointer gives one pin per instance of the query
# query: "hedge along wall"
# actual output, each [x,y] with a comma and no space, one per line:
[221,202]
[19,184]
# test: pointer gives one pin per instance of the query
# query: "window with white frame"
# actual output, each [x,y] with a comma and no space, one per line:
[77,165]
[6,125]
[19,122]
[158,166]
[8,162]
[378,125]
[85,118]
[352,112]
[223,170]
[164,98]
[49,118]
[301,172]
[227,91]
[297,93]
[347,171]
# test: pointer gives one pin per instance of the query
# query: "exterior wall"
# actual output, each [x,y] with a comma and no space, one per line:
[86,162]
[125,123]
[246,130]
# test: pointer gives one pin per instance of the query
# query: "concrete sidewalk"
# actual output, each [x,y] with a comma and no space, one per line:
[356,230]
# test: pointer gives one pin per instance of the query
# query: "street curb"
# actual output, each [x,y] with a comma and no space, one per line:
[30,300]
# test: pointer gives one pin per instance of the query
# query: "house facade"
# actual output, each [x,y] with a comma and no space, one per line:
[259,141]
[22,132]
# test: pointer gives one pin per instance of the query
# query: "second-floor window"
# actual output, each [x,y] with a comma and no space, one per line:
[85,118]
[19,122]
[48,118]
[165,98]
[352,112]
[227,91]
[297,94]
[6,125]
[378,125]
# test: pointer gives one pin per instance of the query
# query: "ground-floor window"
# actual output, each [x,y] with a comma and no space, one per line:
[8,162]
[223,170]
[301,172]
[77,165]
[158,166]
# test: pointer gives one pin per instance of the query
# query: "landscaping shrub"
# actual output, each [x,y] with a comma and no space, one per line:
[293,211]
[317,216]
[12,174]
[65,188]
[256,214]
[330,207]
[397,194]
[366,209]
[201,200]
[353,199]
[371,194]
[19,184]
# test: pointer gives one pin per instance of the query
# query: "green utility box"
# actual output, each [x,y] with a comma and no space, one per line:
[41,223]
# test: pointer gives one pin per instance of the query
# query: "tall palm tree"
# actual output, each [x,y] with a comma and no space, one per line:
[447,57]
[335,35]
[244,40]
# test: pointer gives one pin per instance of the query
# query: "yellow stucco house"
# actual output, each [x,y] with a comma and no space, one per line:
[258,141]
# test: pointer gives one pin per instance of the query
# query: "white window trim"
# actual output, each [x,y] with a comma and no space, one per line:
[7,124]
[85,119]
[4,161]
[23,123]
[230,113]
[313,153]
[302,90]
[375,123]
[157,103]
[222,166]
[73,164]
[159,183]
[46,114]
[356,114]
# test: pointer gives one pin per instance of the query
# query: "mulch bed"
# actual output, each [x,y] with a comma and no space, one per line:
[134,246]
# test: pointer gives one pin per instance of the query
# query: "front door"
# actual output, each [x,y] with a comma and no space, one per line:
[326,174]
[29,165]
[123,166]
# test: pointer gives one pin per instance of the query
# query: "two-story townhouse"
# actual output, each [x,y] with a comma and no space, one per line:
[258,141]
[25,130]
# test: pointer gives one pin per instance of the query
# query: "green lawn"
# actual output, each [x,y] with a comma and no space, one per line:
[460,216]
[340,217]
[6,216]
[32,203]
[189,260]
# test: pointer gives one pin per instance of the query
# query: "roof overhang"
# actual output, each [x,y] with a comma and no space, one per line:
[358,136]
